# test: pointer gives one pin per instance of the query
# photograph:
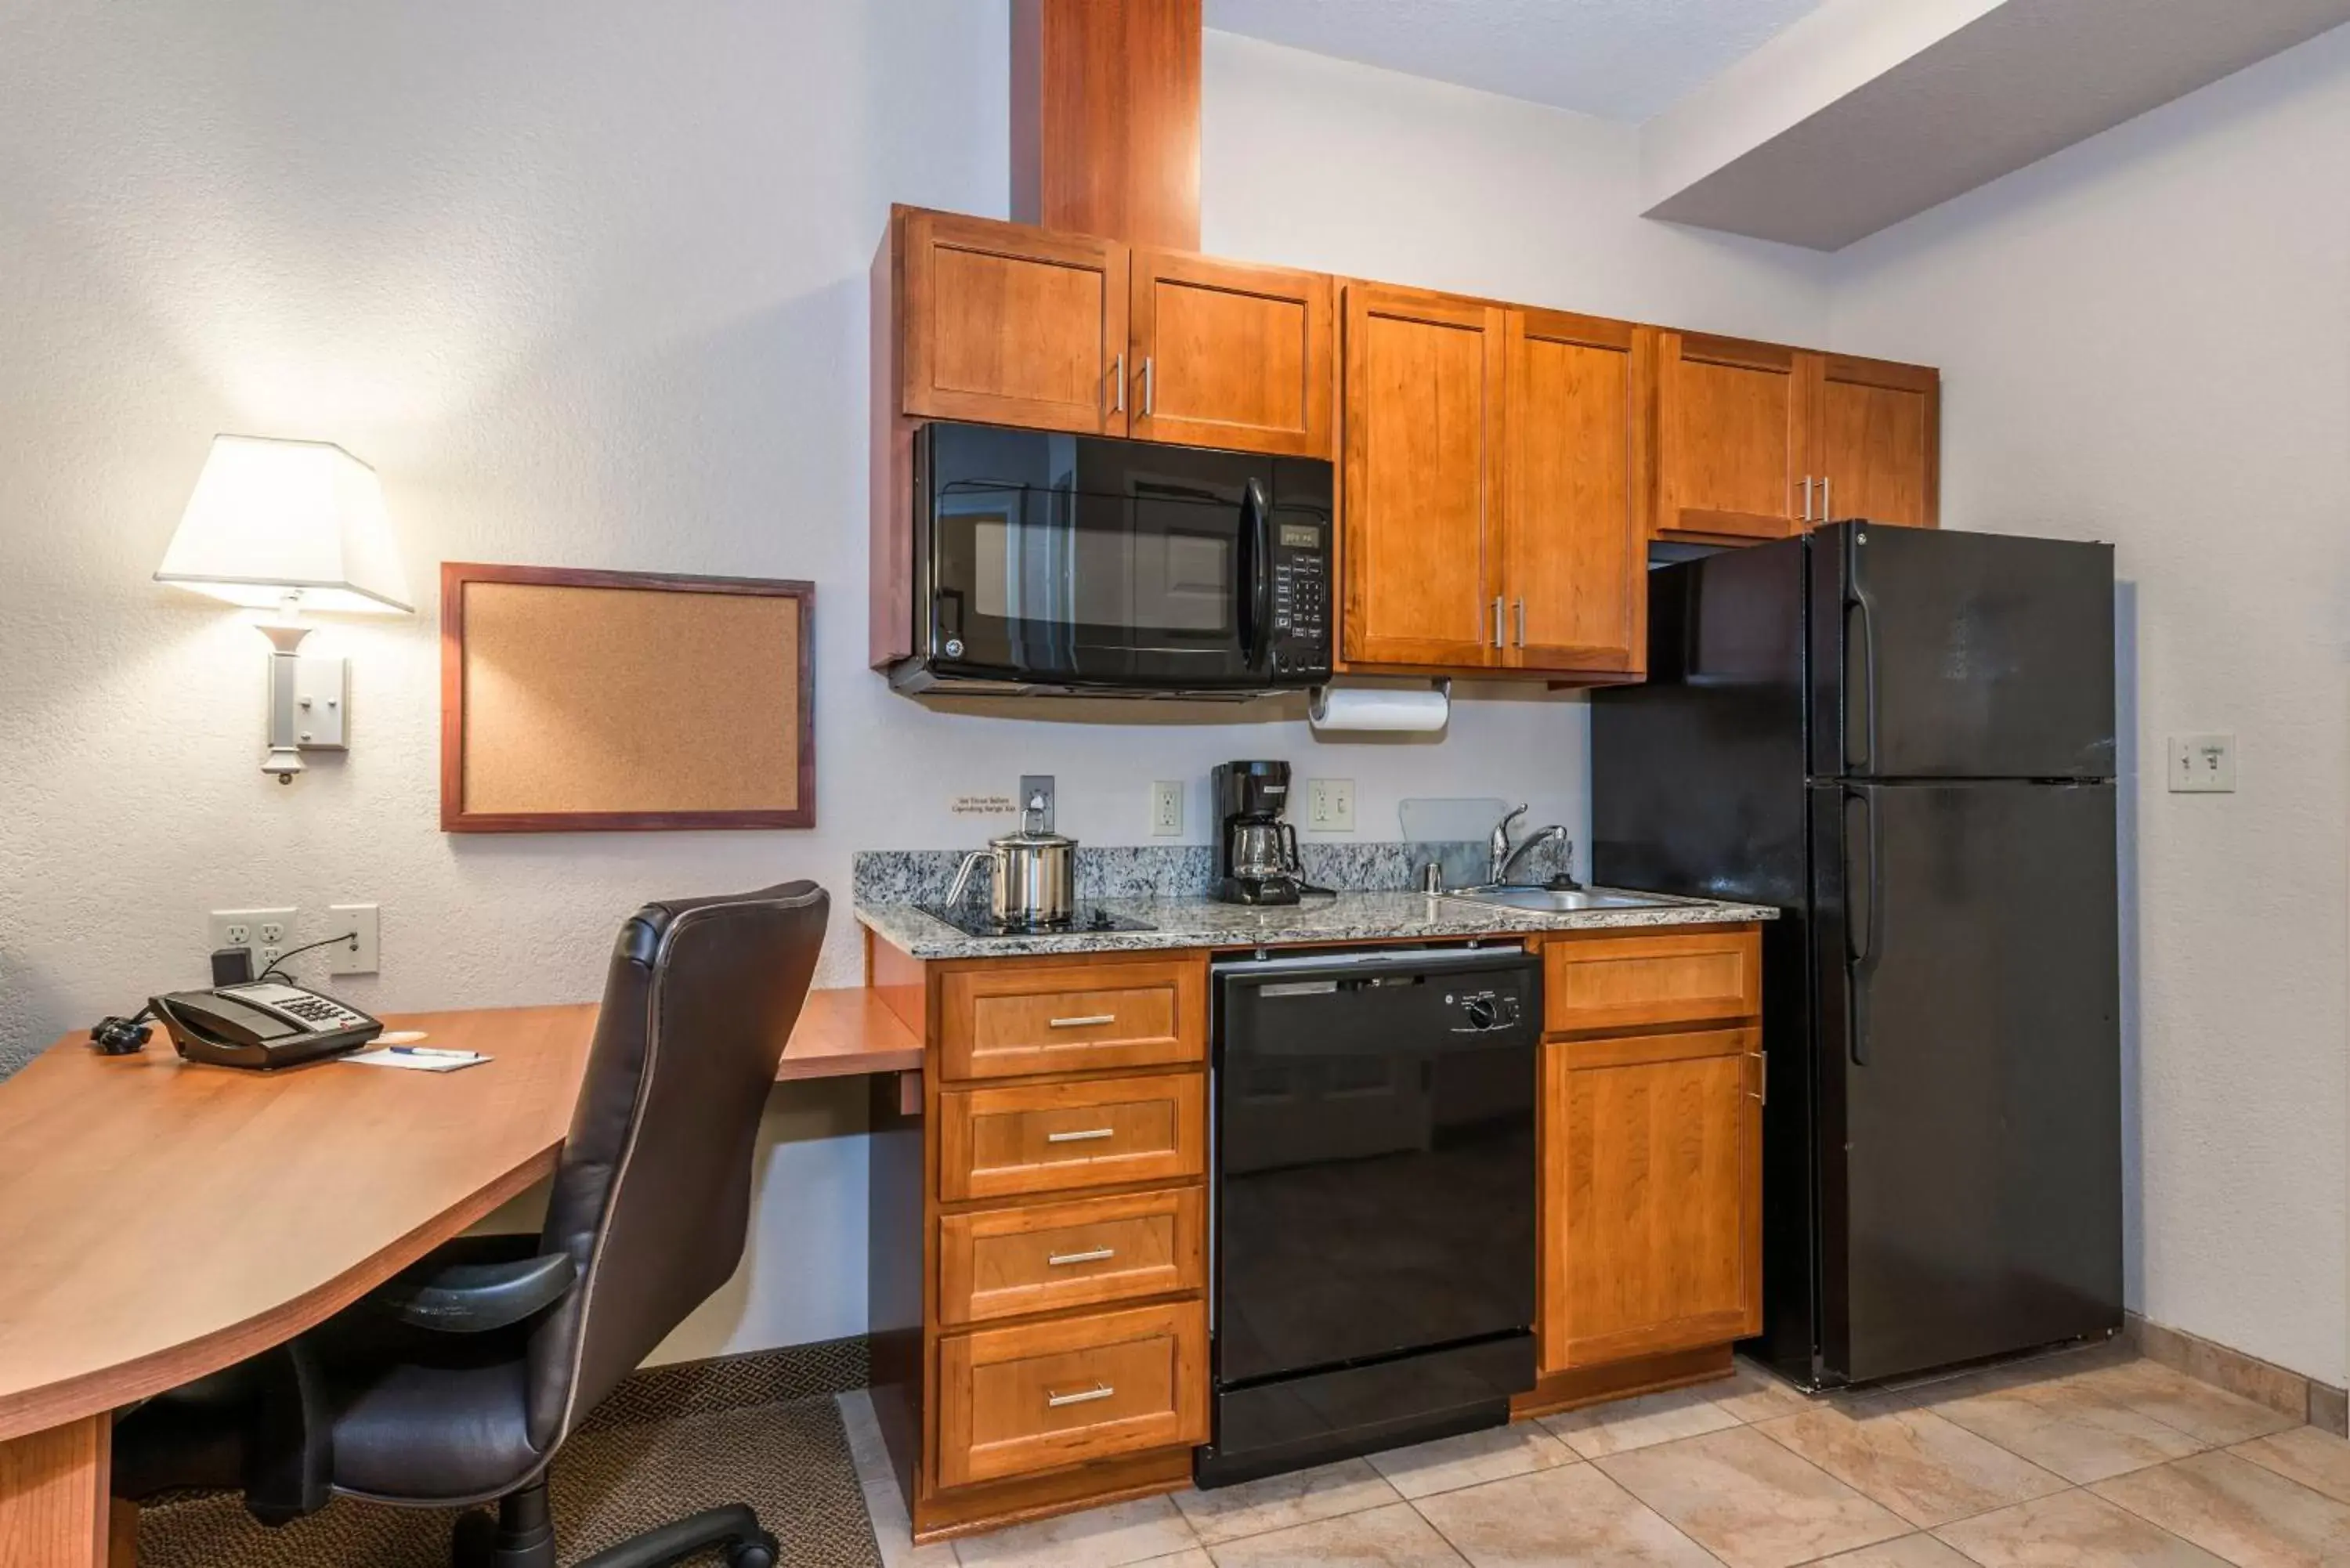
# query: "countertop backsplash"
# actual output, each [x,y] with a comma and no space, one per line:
[1161,870]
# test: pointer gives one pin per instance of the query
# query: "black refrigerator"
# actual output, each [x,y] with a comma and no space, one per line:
[1902,739]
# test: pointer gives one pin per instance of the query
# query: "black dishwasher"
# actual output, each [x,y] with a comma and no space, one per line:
[1373,1137]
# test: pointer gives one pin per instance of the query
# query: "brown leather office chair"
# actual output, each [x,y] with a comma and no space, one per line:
[458,1383]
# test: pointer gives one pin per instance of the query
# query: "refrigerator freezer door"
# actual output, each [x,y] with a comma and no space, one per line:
[1949,655]
[1966,954]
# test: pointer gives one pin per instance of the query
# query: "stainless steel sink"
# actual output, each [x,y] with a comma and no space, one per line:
[1558,900]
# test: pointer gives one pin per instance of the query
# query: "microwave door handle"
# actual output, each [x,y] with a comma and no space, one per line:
[1256,585]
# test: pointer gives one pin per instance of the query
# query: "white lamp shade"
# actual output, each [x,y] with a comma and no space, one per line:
[271,519]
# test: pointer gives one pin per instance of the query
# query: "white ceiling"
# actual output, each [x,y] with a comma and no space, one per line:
[1620,59]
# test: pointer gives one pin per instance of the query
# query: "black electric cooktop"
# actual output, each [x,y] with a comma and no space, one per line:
[1086,918]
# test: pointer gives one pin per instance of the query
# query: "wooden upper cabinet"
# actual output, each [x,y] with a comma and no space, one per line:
[1230,356]
[1574,552]
[1651,1195]
[1005,324]
[1733,434]
[1879,452]
[1422,478]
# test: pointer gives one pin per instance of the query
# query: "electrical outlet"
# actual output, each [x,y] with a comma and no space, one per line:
[1330,806]
[1167,808]
[359,955]
[1036,789]
[260,932]
[2202,764]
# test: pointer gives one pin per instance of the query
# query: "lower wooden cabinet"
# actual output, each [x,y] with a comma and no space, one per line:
[1039,1252]
[1037,1258]
[1039,1397]
[1046,1257]
[1057,1137]
[1606,981]
[1653,1177]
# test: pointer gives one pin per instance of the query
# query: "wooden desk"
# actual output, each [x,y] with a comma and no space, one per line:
[161,1221]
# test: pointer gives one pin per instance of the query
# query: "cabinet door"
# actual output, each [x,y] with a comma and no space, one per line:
[1733,435]
[1574,558]
[1651,1195]
[1009,324]
[1422,484]
[1230,356]
[1880,437]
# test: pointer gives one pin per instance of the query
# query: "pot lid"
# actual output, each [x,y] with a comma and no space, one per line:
[1024,839]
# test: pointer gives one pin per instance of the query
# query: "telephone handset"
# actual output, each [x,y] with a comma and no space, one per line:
[261,1023]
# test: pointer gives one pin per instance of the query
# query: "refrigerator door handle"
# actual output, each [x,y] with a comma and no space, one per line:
[1859,608]
[1860,957]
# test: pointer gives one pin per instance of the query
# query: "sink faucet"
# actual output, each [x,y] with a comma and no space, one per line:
[1502,860]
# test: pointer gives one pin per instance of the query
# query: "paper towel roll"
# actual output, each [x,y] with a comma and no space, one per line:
[1370,708]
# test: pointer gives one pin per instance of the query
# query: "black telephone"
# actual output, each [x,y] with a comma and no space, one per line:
[262,1023]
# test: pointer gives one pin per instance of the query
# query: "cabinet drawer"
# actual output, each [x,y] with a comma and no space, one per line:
[1001,1021]
[1002,1262]
[1629,982]
[1053,1138]
[1012,1401]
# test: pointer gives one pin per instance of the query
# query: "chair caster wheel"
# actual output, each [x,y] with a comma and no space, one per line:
[759,1552]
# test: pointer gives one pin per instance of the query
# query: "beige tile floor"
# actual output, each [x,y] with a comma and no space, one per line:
[2078,1461]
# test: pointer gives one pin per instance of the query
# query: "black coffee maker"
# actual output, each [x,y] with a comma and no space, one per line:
[1256,850]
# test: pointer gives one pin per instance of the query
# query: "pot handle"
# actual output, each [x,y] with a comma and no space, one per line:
[970,863]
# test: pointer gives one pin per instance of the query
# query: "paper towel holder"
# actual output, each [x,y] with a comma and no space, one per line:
[1318,705]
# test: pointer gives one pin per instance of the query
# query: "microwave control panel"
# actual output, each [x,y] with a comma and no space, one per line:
[1301,597]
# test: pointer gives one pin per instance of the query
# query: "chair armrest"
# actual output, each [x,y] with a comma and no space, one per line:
[473,1298]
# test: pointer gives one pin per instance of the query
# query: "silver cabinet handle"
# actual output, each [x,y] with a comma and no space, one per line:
[1761,1060]
[1099,1255]
[1081,1022]
[1084,1396]
[1087,1136]
[1118,380]
[1519,605]
[1807,498]
[1150,385]
[1498,639]
[1827,499]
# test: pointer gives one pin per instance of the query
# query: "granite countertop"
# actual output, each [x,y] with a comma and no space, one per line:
[1202,922]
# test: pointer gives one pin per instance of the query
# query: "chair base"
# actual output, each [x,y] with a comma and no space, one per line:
[523,1536]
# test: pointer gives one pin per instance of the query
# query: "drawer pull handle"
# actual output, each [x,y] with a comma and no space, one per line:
[1084,1396]
[1099,1255]
[1087,1136]
[1081,1022]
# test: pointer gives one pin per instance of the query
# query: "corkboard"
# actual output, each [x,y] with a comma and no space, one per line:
[580,700]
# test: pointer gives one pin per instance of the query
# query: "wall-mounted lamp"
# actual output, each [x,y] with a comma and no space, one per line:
[290,525]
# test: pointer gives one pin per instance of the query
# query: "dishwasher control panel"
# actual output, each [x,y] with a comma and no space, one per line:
[1481,1011]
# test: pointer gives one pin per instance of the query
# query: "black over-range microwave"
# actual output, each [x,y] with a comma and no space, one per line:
[1045,562]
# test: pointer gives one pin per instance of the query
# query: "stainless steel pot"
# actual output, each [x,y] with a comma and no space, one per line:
[1035,875]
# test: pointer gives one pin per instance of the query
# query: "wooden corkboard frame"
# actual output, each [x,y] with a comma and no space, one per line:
[777,790]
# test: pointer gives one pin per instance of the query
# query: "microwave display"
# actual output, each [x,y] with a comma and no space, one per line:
[1299,537]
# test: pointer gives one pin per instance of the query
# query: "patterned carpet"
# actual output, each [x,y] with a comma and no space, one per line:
[668,1443]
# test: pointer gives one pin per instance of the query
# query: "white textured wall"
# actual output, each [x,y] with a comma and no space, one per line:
[587,284]
[2147,340]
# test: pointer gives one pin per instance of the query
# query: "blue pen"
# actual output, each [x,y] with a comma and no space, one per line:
[428,1051]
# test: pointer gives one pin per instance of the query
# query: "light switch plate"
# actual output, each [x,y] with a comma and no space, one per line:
[1167,808]
[359,955]
[1330,806]
[2203,764]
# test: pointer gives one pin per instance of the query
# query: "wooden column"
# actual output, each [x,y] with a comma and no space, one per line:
[1105,119]
[54,1509]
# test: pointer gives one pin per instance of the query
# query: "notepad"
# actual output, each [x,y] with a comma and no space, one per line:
[416,1064]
